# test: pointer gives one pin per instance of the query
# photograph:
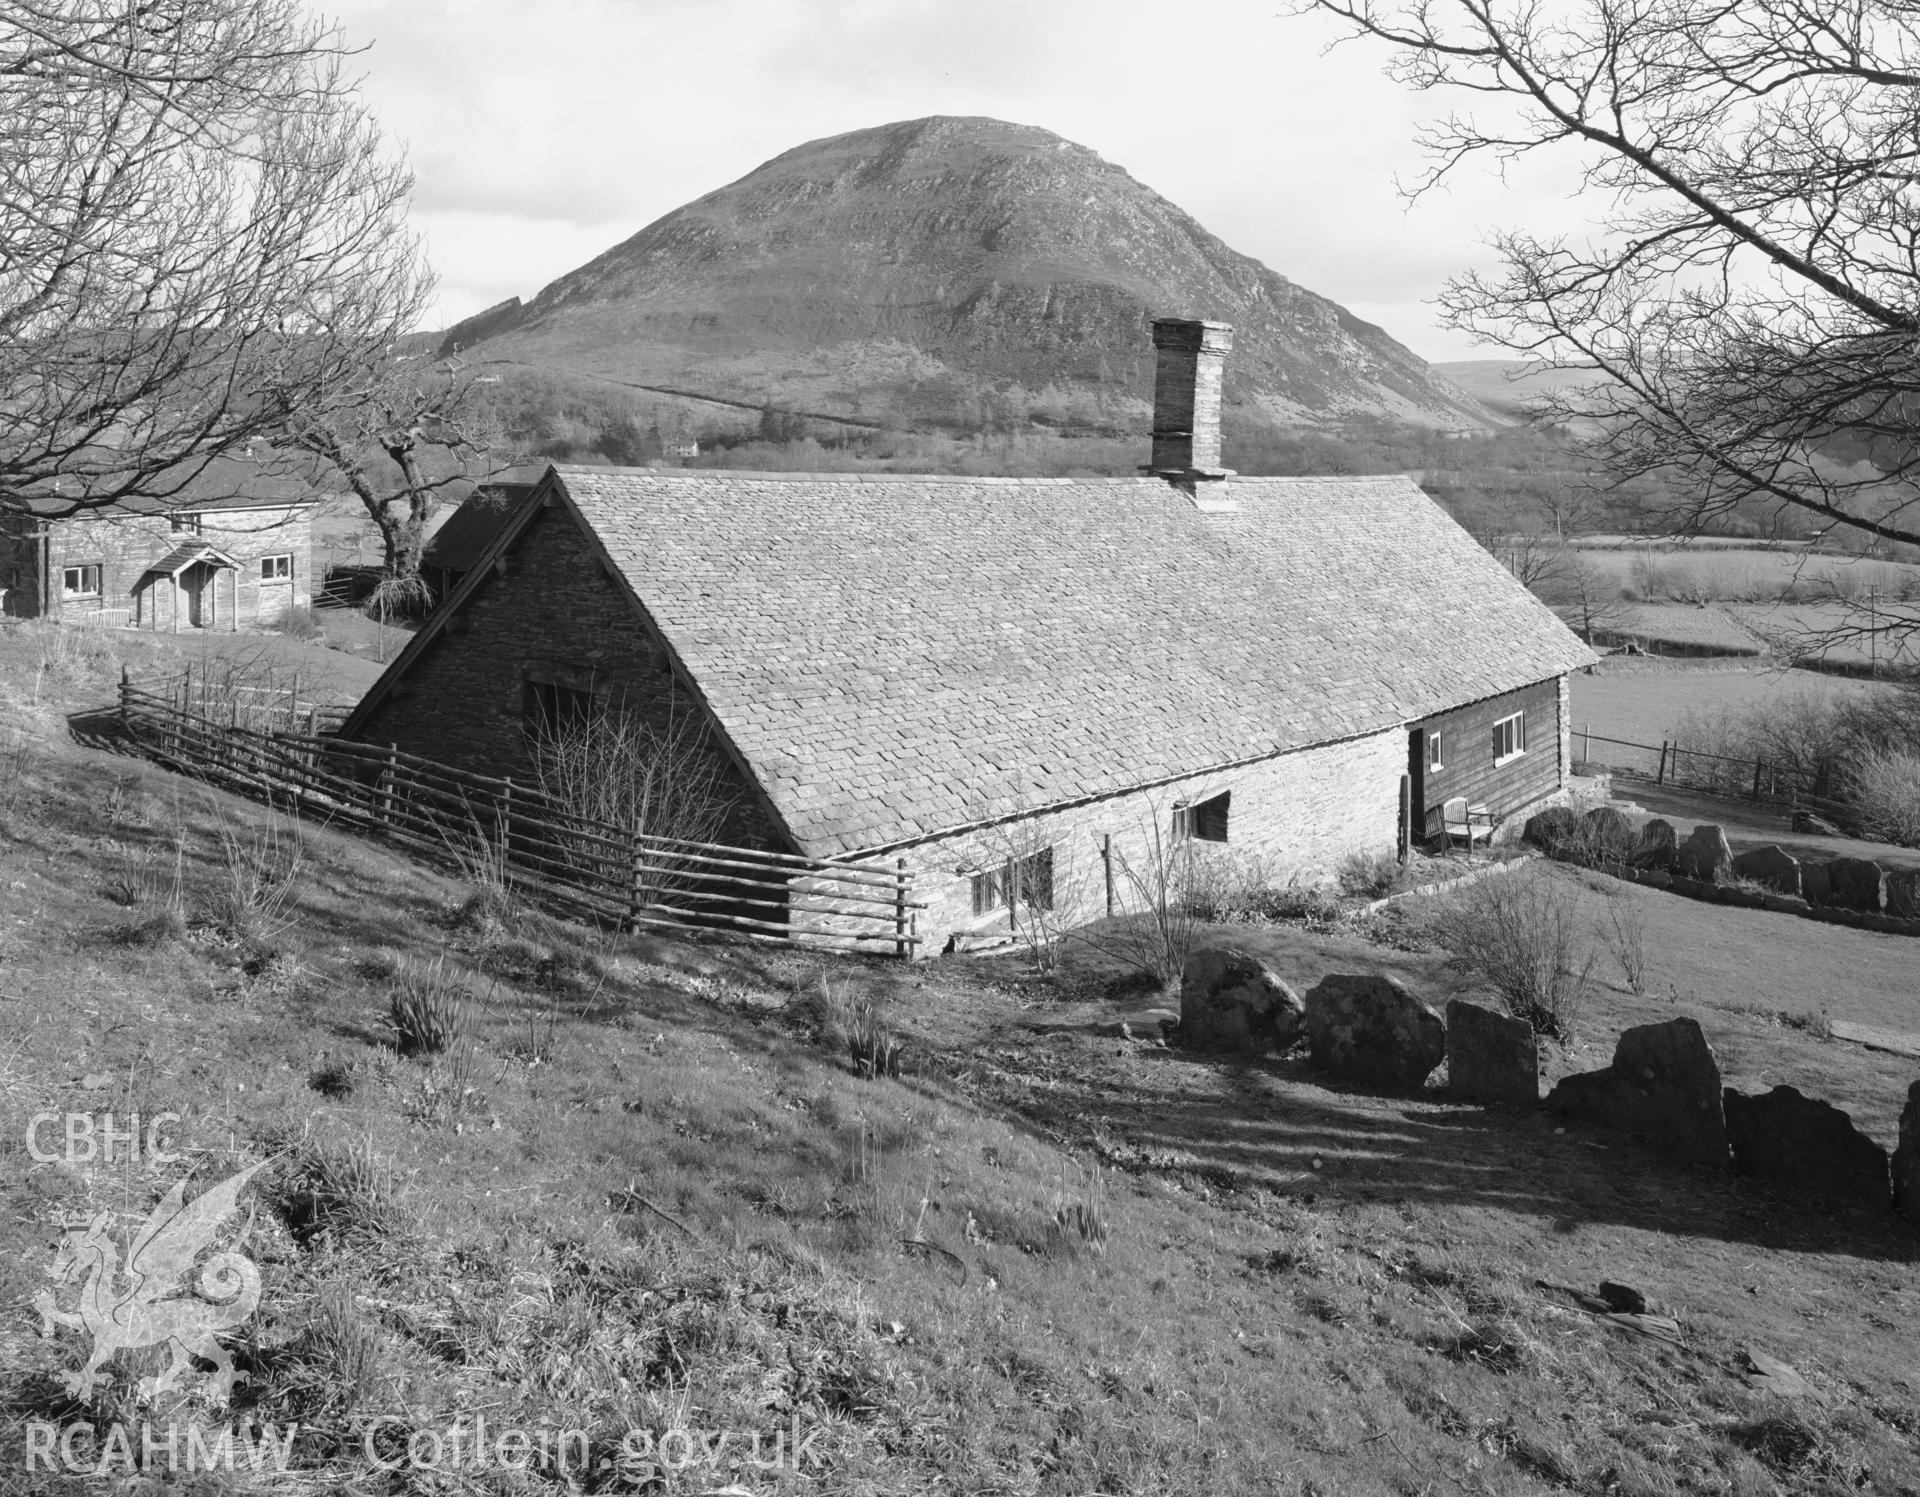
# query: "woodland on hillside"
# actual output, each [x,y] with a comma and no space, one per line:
[1527,479]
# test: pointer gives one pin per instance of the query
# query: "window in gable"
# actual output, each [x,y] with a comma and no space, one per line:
[81,582]
[1204,821]
[1509,738]
[548,709]
[1433,751]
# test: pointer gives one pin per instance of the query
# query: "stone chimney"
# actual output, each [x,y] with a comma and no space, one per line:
[1189,358]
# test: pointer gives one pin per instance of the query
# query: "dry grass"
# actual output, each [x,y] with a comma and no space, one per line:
[693,1216]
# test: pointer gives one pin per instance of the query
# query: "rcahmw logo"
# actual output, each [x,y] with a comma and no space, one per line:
[82,1451]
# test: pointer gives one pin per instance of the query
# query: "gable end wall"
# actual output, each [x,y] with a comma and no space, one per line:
[555,616]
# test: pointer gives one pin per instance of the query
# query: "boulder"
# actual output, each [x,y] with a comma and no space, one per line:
[1231,1000]
[1664,1083]
[1772,866]
[1906,1159]
[1552,830]
[1610,836]
[1705,855]
[1806,823]
[1371,1028]
[1804,1143]
[1657,846]
[1814,887]
[1491,1057]
[1856,884]
[1903,893]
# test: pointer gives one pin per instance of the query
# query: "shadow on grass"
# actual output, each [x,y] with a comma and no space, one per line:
[1279,1125]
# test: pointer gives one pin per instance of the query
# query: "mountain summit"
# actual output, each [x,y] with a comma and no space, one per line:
[954,271]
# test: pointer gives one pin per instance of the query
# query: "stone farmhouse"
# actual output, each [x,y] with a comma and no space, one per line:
[231,549]
[1009,683]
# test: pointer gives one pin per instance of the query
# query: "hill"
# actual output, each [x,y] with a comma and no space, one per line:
[1513,387]
[963,273]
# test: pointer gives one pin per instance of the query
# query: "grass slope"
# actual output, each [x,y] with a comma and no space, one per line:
[649,1194]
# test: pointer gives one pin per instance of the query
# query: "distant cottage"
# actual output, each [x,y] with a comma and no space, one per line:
[990,677]
[230,549]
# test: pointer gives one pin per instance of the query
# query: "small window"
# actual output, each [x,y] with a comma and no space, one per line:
[548,709]
[183,524]
[1510,738]
[1433,752]
[276,568]
[1204,821]
[1027,881]
[81,581]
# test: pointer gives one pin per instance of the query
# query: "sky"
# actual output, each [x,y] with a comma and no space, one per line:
[541,135]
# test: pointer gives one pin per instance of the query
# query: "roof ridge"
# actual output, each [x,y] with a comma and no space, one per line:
[803,476]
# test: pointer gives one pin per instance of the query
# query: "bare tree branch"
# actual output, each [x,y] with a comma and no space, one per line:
[1754,287]
[199,225]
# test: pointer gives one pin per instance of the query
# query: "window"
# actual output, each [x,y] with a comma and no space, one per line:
[1510,738]
[81,581]
[1433,752]
[548,708]
[1027,881]
[276,568]
[181,524]
[1204,821]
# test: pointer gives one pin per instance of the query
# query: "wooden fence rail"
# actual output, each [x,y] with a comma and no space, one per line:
[1669,763]
[499,828]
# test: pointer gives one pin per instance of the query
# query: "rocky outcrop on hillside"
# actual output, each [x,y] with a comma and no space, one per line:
[963,272]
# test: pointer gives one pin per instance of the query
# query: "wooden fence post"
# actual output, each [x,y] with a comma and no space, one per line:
[1756,777]
[634,881]
[902,927]
[1405,849]
[506,824]
[1106,863]
[384,793]
[1660,778]
[1586,742]
[125,701]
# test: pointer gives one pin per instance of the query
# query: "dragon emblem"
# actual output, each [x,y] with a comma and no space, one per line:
[154,1307]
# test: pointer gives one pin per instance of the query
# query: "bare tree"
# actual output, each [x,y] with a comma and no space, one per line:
[1752,289]
[199,227]
[404,434]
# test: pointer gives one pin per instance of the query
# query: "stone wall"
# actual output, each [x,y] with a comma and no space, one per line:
[1296,814]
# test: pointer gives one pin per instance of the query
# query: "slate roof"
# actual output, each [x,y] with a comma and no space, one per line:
[186,554]
[463,538]
[277,481]
[900,656]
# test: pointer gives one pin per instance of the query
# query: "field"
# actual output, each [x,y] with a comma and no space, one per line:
[1646,705]
[644,1191]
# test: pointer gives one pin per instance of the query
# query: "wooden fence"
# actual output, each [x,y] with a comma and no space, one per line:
[1669,763]
[499,831]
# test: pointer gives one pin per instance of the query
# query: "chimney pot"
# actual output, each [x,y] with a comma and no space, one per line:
[1189,362]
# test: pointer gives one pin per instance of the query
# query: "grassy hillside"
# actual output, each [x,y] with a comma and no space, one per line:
[644,1191]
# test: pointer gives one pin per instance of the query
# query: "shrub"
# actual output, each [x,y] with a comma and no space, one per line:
[347,1190]
[299,623]
[1886,794]
[1523,935]
[1368,875]
[260,868]
[427,1008]
[873,1051]
[1082,1221]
